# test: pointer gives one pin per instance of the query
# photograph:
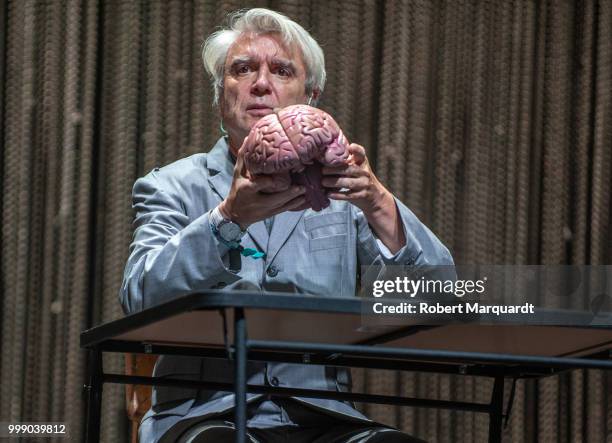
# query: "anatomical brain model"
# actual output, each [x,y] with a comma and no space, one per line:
[292,145]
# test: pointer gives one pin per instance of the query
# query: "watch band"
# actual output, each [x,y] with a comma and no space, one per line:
[216,219]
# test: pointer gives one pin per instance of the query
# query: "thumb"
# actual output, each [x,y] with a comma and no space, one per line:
[358,153]
[240,167]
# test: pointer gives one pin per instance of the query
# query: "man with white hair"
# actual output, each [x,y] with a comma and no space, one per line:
[194,216]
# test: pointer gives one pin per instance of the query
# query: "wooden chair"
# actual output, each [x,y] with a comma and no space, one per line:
[138,398]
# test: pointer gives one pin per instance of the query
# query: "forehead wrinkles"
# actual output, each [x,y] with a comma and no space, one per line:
[258,47]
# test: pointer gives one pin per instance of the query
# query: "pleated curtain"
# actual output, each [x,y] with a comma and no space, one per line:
[490,119]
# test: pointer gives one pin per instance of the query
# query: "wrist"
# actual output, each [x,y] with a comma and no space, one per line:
[382,206]
[227,214]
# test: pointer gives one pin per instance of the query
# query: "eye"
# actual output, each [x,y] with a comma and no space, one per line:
[241,68]
[284,72]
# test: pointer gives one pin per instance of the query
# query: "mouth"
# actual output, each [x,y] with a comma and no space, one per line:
[259,110]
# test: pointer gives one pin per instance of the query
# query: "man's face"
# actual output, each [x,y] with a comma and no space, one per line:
[260,74]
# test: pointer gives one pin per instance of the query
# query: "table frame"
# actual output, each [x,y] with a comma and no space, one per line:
[362,355]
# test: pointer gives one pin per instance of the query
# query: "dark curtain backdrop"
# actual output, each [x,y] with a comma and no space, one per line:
[491,119]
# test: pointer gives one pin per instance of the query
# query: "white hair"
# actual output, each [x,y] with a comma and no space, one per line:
[263,21]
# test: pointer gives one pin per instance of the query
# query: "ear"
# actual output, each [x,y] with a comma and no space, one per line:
[312,99]
[316,93]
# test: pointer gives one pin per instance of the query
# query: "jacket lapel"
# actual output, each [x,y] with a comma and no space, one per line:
[259,234]
[220,168]
[283,226]
[221,171]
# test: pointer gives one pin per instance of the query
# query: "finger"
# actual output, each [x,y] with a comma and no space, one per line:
[358,152]
[279,199]
[306,205]
[346,196]
[335,182]
[351,183]
[264,183]
[334,170]
[240,167]
[292,205]
[339,196]
[347,170]
[282,181]
[272,183]
[330,190]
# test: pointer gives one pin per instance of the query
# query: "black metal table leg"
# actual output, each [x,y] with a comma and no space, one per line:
[240,375]
[496,413]
[94,396]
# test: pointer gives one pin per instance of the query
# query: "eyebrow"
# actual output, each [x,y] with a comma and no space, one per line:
[275,61]
[238,60]
[284,63]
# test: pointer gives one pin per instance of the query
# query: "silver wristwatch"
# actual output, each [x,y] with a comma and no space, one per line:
[225,229]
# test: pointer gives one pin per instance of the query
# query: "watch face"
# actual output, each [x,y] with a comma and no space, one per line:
[229,231]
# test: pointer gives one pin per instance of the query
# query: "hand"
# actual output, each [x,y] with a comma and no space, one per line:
[365,191]
[247,204]
[362,187]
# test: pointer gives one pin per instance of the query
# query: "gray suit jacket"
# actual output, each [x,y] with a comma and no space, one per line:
[174,252]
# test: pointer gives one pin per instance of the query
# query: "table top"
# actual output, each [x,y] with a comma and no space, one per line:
[197,320]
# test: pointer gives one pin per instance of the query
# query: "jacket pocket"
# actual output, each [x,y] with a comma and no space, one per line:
[326,224]
[319,220]
[328,242]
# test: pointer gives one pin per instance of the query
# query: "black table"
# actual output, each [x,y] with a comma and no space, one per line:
[295,328]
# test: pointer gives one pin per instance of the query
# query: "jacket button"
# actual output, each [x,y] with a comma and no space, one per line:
[274,381]
[272,271]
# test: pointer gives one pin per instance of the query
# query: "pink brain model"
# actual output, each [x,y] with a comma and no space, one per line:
[292,145]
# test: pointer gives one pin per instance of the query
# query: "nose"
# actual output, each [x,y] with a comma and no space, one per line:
[261,85]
